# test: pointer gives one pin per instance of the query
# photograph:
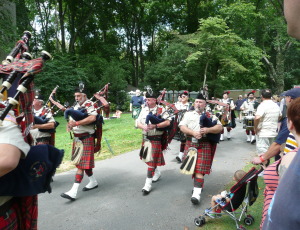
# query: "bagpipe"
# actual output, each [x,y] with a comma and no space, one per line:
[26,69]
[225,117]
[21,46]
[44,116]
[206,121]
[157,118]
[12,101]
[81,113]
[33,174]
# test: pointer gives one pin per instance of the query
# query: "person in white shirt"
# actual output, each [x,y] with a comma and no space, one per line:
[183,106]
[265,122]
[249,107]
[229,121]
[152,149]
[41,133]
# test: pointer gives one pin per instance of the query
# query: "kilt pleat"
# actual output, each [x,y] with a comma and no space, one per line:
[87,159]
[205,156]
[157,154]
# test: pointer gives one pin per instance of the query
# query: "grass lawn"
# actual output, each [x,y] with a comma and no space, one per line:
[122,138]
[118,133]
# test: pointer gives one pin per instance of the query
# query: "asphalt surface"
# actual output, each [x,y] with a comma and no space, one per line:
[118,203]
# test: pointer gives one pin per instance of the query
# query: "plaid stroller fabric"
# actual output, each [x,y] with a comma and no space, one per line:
[243,194]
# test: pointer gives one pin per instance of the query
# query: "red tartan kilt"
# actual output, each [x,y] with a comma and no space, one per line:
[87,159]
[157,154]
[205,156]
[28,209]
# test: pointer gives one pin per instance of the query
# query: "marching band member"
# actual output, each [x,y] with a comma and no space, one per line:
[18,198]
[200,138]
[182,106]
[227,124]
[152,150]
[83,144]
[41,133]
[249,106]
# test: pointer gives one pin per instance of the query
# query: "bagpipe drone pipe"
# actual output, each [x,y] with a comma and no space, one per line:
[206,121]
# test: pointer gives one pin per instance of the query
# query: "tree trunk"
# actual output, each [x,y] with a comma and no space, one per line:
[192,16]
[62,26]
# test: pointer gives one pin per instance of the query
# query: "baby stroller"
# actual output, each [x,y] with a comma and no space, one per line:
[242,194]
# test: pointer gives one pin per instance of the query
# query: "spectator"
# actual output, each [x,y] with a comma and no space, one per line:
[238,104]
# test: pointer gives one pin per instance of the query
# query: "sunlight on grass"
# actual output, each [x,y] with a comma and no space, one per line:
[119,134]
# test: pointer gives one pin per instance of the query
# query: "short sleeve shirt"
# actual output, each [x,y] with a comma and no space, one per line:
[181,106]
[35,133]
[282,213]
[191,120]
[142,118]
[283,132]
[248,106]
[269,113]
[137,101]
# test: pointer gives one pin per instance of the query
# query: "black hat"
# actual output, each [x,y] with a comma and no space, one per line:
[185,93]
[201,97]
[80,88]
[151,94]
[39,97]
[251,92]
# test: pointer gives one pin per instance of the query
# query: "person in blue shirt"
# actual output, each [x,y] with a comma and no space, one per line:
[136,104]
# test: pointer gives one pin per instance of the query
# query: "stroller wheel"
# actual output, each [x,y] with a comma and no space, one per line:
[200,221]
[249,220]
[251,217]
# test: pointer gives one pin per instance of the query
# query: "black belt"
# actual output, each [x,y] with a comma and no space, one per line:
[82,137]
[6,207]
[189,138]
[153,138]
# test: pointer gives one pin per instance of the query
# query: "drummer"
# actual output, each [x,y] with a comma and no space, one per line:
[249,107]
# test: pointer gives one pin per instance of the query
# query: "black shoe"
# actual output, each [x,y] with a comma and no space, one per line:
[178,159]
[252,142]
[88,189]
[63,195]
[194,200]
[145,192]
[228,138]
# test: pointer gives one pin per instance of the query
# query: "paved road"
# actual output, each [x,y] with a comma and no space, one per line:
[118,203]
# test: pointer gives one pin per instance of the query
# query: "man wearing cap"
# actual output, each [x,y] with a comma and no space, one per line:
[199,137]
[83,135]
[152,135]
[136,104]
[249,107]
[227,124]
[265,122]
[283,133]
[183,106]
[41,133]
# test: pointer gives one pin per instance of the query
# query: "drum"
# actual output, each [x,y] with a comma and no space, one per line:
[248,122]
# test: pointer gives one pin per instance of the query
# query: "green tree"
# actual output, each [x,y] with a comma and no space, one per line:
[237,61]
